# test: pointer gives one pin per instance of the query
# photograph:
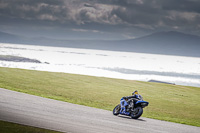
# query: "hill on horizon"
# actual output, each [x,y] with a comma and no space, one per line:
[167,43]
[170,43]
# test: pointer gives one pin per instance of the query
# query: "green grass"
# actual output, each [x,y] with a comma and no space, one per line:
[173,103]
[9,127]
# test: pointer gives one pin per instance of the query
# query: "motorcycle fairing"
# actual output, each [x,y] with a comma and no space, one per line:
[143,103]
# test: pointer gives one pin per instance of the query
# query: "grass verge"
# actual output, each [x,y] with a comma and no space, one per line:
[9,127]
[172,103]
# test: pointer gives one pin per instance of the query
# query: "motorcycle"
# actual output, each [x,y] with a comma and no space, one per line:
[134,109]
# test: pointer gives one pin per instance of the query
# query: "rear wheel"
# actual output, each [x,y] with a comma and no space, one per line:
[137,113]
[117,109]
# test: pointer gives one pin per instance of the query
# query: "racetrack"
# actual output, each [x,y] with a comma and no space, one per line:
[71,118]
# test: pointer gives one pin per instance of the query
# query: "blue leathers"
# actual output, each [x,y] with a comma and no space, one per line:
[124,104]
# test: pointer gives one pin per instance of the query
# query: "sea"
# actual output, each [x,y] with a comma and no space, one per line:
[178,70]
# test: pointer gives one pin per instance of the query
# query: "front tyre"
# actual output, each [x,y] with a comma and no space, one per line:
[117,109]
[137,113]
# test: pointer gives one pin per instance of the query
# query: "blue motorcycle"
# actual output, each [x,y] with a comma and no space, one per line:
[134,108]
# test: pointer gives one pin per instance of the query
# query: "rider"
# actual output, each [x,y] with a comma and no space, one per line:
[124,103]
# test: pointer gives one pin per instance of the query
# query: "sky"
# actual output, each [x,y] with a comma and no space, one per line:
[98,19]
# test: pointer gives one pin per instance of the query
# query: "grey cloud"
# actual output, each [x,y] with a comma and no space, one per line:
[34,9]
[88,5]
[181,5]
[105,15]
[80,11]
[160,13]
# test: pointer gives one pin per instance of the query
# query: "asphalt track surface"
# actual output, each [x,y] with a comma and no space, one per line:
[71,118]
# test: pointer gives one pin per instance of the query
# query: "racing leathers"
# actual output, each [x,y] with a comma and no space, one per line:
[124,103]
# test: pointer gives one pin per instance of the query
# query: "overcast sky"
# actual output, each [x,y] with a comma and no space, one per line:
[98,19]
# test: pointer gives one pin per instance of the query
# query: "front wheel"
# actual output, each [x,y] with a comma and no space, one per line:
[117,109]
[137,113]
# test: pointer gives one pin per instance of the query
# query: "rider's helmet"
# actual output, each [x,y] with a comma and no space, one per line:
[135,92]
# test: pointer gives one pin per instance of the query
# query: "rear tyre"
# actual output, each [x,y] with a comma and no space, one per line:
[137,113]
[117,109]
